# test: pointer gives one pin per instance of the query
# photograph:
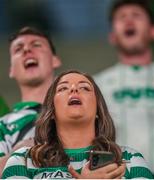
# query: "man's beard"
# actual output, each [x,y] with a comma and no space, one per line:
[136,49]
[33,82]
[131,51]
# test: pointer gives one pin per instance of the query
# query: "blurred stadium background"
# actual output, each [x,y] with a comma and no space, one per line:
[79,29]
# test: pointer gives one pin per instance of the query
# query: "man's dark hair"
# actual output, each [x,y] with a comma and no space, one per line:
[144,4]
[34,31]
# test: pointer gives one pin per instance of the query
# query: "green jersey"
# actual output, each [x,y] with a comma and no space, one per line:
[129,93]
[17,125]
[20,165]
[3,107]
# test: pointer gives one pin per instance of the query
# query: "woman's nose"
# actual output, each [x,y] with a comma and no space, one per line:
[74,89]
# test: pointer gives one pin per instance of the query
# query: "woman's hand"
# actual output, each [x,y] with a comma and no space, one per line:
[111,171]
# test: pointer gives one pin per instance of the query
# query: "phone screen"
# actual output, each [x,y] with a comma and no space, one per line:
[100,158]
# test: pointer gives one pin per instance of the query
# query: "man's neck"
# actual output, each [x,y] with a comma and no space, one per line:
[141,59]
[36,93]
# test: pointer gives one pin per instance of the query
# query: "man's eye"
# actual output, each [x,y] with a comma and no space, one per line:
[17,49]
[137,15]
[120,17]
[37,44]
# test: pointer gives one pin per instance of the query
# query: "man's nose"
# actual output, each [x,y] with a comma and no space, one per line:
[129,20]
[27,49]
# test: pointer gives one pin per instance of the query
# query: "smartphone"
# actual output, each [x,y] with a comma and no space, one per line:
[100,158]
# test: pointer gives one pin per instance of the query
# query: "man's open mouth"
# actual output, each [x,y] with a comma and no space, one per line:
[30,63]
[130,32]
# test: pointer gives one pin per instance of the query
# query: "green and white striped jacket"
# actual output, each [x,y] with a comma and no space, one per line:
[14,126]
[20,165]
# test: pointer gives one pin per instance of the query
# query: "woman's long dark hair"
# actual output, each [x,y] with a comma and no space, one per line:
[48,149]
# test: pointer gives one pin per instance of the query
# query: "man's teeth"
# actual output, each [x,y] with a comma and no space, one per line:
[30,62]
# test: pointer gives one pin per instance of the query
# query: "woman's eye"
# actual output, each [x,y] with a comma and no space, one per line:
[62,89]
[85,88]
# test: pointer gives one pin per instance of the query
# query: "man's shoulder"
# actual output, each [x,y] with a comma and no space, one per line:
[25,105]
[152,65]
[107,77]
[107,73]
[19,111]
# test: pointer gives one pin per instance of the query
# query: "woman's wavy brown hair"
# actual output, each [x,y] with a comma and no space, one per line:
[48,149]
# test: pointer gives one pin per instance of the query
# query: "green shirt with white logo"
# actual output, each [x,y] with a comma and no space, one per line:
[129,93]
[20,165]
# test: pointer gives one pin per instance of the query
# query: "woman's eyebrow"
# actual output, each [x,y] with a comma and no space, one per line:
[85,82]
[80,82]
[63,82]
